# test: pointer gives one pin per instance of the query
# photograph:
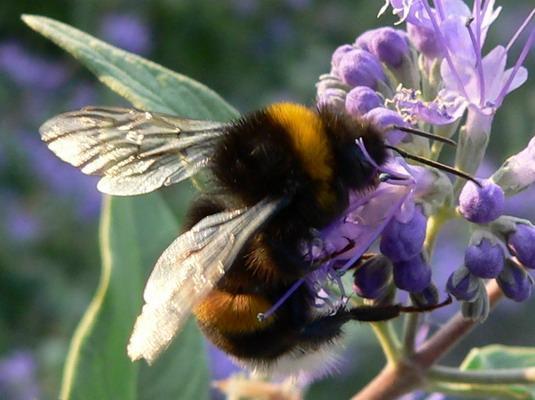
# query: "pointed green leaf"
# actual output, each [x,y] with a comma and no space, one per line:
[503,357]
[134,231]
[145,84]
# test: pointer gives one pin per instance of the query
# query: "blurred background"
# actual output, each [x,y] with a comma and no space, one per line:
[252,53]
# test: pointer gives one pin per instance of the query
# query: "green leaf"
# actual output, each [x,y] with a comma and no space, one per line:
[146,85]
[502,357]
[134,231]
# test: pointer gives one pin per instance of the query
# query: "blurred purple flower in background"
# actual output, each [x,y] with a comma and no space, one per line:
[221,366]
[18,377]
[28,70]
[61,179]
[127,31]
[20,222]
[84,94]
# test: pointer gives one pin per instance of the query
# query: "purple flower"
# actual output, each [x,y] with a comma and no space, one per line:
[360,68]
[387,44]
[18,379]
[481,205]
[28,70]
[368,214]
[220,364]
[425,40]
[463,285]
[373,278]
[84,94]
[362,99]
[384,120]
[21,223]
[127,31]
[521,242]
[332,97]
[404,240]
[484,259]
[444,109]
[515,282]
[337,56]
[407,10]
[413,275]
[486,87]
[427,297]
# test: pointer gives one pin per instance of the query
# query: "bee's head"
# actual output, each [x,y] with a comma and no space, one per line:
[353,167]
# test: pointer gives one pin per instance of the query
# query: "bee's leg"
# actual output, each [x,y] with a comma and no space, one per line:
[328,327]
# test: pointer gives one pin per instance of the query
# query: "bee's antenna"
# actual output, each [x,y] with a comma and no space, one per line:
[434,164]
[425,134]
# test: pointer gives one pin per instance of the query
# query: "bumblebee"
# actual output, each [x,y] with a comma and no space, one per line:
[278,175]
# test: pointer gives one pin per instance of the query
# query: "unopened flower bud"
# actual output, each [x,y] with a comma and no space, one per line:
[362,99]
[463,285]
[484,259]
[518,171]
[337,56]
[373,278]
[515,282]
[387,44]
[403,241]
[413,275]
[360,68]
[481,204]
[478,309]
[332,97]
[522,244]
[425,41]
[427,297]
[384,119]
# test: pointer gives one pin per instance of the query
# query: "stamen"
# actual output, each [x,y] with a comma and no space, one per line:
[520,30]
[447,55]
[479,66]
[435,164]
[477,12]
[440,8]
[393,173]
[425,134]
[263,316]
[518,64]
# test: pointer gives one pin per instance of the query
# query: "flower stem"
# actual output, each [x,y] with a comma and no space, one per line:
[409,373]
[486,377]
[410,330]
[450,334]
[388,340]
[434,225]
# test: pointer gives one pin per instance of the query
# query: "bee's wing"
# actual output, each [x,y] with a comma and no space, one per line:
[134,151]
[187,270]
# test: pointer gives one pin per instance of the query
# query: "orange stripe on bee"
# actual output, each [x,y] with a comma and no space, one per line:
[232,313]
[310,141]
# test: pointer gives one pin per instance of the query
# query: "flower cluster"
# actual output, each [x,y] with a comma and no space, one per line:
[431,75]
